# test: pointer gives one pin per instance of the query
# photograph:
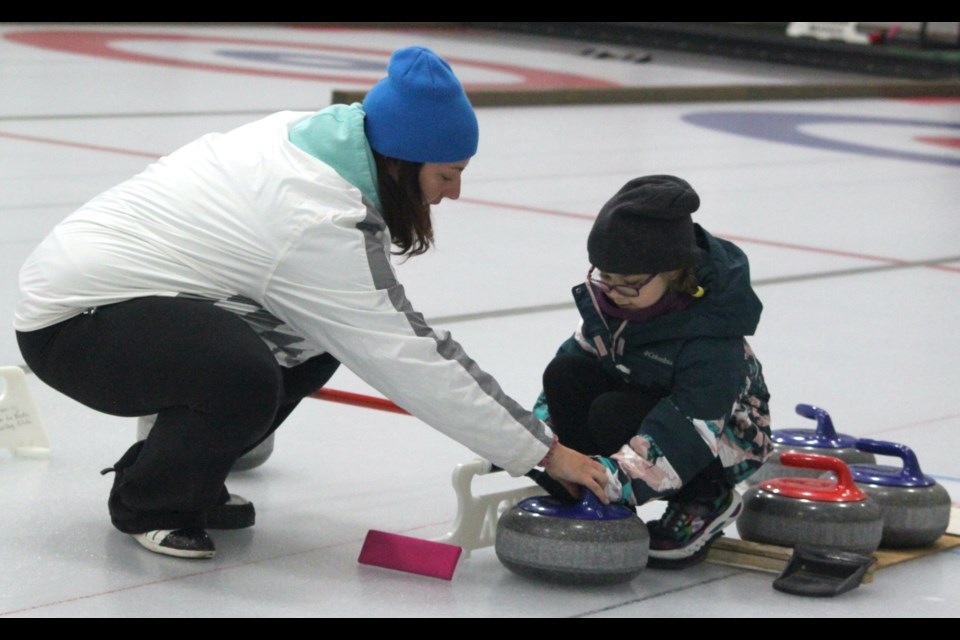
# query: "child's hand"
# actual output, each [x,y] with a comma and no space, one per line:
[573,469]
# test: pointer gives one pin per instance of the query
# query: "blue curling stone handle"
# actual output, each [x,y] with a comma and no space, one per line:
[808,438]
[589,508]
[910,475]
[823,437]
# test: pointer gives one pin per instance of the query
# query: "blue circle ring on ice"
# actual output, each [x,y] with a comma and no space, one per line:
[807,130]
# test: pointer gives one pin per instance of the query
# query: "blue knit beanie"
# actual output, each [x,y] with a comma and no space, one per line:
[420,112]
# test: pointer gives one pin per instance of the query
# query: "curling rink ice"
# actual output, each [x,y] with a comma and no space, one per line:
[847,209]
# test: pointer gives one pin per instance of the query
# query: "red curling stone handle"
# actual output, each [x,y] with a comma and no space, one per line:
[843,490]
[816,461]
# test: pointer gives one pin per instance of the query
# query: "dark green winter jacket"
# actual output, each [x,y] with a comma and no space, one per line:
[695,358]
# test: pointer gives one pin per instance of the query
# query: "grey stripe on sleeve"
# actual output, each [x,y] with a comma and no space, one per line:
[374,228]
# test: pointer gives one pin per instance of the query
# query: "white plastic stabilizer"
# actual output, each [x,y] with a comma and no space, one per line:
[476,524]
[21,429]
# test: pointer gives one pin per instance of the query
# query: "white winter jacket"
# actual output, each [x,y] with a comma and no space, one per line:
[296,245]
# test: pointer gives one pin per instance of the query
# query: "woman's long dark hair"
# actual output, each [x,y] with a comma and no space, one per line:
[406,215]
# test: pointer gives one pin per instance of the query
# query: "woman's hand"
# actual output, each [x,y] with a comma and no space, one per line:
[575,471]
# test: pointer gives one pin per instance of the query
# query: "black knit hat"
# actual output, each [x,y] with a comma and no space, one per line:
[645,228]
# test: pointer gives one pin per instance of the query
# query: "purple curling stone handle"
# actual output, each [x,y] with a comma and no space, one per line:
[911,466]
[588,508]
[589,502]
[825,430]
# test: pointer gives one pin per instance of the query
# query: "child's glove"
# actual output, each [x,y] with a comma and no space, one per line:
[618,489]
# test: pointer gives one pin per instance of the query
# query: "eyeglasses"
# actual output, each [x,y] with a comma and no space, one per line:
[628,290]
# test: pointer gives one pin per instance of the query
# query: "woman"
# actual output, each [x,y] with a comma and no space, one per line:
[231,278]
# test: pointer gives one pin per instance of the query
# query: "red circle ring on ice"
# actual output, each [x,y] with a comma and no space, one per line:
[261,54]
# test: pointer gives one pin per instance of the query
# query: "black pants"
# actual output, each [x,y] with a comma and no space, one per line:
[215,386]
[592,411]
[596,414]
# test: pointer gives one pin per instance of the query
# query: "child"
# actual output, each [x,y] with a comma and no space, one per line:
[658,382]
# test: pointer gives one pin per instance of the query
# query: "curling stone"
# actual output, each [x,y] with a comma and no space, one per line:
[585,543]
[824,440]
[828,514]
[251,459]
[916,510]
[256,456]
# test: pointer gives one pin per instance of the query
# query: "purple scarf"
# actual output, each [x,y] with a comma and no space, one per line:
[671,301]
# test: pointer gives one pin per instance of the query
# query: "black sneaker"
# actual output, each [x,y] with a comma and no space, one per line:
[235,513]
[180,543]
[682,537]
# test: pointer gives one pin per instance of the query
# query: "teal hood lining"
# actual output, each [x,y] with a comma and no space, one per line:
[336,137]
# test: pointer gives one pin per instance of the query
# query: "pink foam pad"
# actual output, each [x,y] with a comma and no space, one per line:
[413,555]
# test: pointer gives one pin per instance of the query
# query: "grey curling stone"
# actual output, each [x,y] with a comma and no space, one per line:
[827,514]
[916,510]
[823,440]
[251,459]
[587,543]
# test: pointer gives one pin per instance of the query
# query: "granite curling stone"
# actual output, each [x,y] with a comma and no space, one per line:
[585,543]
[256,456]
[916,510]
[828,514]
[823,440]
